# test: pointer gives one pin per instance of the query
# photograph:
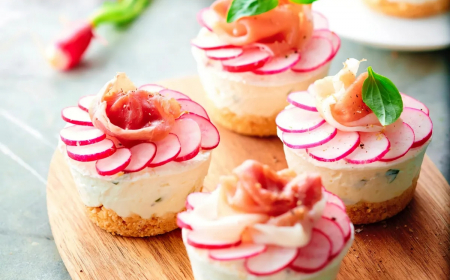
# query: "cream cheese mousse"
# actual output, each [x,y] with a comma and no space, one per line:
[135,154]
[248,63]
[365,138]
[262,224]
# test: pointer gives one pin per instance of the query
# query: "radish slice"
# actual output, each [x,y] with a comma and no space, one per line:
[224,54]
[202,240]
[401,139]
[141,155]
[183,220]
[114,163]
[210,134]
[250,60]
[314,256]
[243,251]
[310,139]
[410,102]
[338,215]
[420,123]
[278,64]
[190,106]
[209,42]
[303,100]
[168,93]
[372,147]
[96,151]
[166,150]
[202,18]
[319,21]
[273,260]
[190,137]
[317,54]
[75,115]
[77,135]
[342,145]
[334,233]
[151,88]
[196,198]
[298,120]
[85,102]
[332,198]
[333,37]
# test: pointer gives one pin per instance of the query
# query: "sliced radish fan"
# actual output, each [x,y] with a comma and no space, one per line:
[75,115]
[334,233]
[278,64]
[298,120]
[314,256]
[401,139]
[273,260]
[410,102]
[141,155]
[114,163]
[342,145]
[78,135]
[188,105]
[166,150]
[209,133]
[169,93]
[96,151]
[319,51]
[303,100]
[151,88]
[319,21]
[373,146]
[251,59]
[243,251]
[224,54]
[201,240]
[309,139]
[190,137]
[420,123]
[195,199]
[338,215]
[85,102]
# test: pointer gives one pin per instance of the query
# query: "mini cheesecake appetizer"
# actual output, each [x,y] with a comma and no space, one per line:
[250,57]
[410,8]
[135,154]
[363,137]
[262,224]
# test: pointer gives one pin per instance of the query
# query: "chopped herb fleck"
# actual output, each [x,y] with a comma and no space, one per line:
[159,199]
[115,182]
[391,175]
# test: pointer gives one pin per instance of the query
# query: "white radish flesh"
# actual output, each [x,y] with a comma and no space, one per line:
[372,147]
[250,60]
[202,18]
[278,64]
[85,102]
[420,123]
[401,139]
[168,93]
[195,199]
[190,106]
[166,150]
[114,163]
[183,220]
[338,215]
[319,21]
[310,139]
[203,240]
[342,145]
[78,135]
[332,198]
[96,151]
[303,100]
[318,52]
[273,260]
[141,155]
[314,256]
[210,42]
[224,54]
[243,251]
[333,37]
[210,134]
[75,115]
[410,102]
[298,120]
[190,137]
[334,233]
[151,88]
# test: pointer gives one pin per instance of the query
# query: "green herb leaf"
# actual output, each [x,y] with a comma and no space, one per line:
[302,1]
[382,97]
[391,174]
[119,13]
[244,8]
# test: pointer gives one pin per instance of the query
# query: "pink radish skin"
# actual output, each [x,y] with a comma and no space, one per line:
[200,18]
[342,145]
[78,135]
[166,150]
[278,64]
[334,233]
[303,100]
[200,240]
[96,151]
[196,198]
[182,220]
[332,198]
[250,60]
[210,134]
[114,163]
[85,102]
[75,115]
[141,155]
[338,215]
[190,137]
[410,102]
[169,93]
[333,37]
[373,146]
[273,260]
[298,120]
[310,139]
[420,123]
[318,53]
[211,42]
[314,256]
[151,88]
[319,21]
[224,54]
[401,139]
[243,251]
[190,106]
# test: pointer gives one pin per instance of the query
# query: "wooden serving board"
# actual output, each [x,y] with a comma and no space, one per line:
[415,244]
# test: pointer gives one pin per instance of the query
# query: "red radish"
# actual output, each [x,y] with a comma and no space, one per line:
[96,151]
[243,251]
[278,64]
[85,102]
[332,198]
[141,155]
[190,137]
[303,100]
[202,240]
[224,54]
[114,163]
[314,256]
[202,17]
[310,139]
[196,198]
[151,87]
[333,37]
[250,60]
[273,260]
[319,21]
[420,123]
[77,135]
[338,215]
[342,145]
[372,147]
[298,120]
[166,150]
[190,106]
[410,102]
[318,52]
[210,42]
[169,93]
[75,115]
[401,138]
[183,220]
[210,134]
[334,233]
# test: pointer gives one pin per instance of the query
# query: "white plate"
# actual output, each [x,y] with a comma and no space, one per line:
[353,20]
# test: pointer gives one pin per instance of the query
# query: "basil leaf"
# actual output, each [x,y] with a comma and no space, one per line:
[302,1]
[244,8]
[382,97]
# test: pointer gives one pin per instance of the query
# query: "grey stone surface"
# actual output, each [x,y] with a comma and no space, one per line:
[155,47]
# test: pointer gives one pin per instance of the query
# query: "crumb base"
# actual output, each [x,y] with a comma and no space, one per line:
[409,10]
